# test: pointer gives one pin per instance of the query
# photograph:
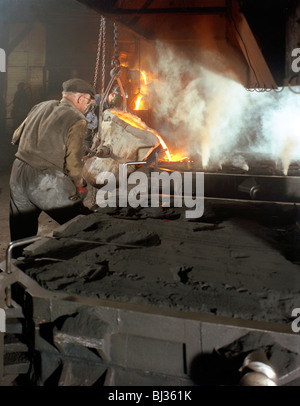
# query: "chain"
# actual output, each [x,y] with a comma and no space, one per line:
[98,51]
[101,46]
[115,63]
[115,60]
[103,55]
[100,35]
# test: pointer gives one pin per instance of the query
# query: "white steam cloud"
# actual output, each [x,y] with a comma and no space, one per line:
[214,116]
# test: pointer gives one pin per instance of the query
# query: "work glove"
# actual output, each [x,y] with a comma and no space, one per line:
[81,192]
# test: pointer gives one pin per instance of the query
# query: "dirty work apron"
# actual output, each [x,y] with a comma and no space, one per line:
[33,191]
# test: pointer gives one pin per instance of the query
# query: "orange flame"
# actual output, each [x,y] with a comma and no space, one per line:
[144,77]
[179,156]
[138,102]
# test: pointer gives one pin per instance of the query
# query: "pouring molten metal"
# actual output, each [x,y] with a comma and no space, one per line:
[125,138]
[136,122]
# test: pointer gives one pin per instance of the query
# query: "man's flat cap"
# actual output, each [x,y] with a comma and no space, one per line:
[78,86]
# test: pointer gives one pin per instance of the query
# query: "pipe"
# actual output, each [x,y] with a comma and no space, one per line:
[124,166]
[11,246]
[257,370]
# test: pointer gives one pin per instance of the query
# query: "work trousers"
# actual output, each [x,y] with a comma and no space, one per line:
[33,191]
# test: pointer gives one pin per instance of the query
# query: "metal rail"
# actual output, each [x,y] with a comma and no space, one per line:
[14,244]
[9,251]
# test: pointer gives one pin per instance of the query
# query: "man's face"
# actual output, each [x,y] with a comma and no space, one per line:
[84,101]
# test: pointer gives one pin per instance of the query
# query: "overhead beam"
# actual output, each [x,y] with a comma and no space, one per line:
[113,8]
[260,74]
[186,10]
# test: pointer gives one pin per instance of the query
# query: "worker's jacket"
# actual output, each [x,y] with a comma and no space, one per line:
[52,137]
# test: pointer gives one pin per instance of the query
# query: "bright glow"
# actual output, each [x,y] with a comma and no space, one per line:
[144,77]
[164,145]
[179,156]
[138,102]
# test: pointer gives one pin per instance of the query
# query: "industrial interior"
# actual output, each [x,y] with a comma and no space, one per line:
[145,294]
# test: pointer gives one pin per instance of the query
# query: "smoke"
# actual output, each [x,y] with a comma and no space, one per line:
[212,115]
[281,128]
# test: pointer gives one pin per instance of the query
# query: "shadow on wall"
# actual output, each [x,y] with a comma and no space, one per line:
[21,104]
[7,153]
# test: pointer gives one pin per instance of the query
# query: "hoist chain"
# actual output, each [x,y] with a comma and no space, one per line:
[115,60]
[103,56]
[115,72]
[100,36]
[101,46]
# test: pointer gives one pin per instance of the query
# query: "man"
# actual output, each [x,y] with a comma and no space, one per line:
[21,104]
[47,172]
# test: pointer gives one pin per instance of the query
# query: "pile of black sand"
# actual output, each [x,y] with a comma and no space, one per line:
[235,261]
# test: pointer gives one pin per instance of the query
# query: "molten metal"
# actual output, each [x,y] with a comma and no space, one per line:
[127,139]
[136,122]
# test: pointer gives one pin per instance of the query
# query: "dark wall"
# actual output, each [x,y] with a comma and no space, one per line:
[70,45]
[268,19]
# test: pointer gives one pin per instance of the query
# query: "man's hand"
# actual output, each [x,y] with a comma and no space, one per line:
[81,192]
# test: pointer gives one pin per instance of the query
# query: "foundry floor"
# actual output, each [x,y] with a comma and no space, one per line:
[272,231]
